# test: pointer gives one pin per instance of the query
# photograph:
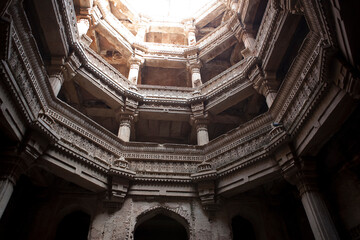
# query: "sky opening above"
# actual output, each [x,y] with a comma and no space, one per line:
[169,10]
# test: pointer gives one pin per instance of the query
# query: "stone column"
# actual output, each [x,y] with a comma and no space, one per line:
[202,132]
[135,63]
[9,173]
[6,190]
[125,127]
[190,30]
[56,81]
[83,25]
[249,43]
[141,33]
[195,73]
[301,172]
[199,119]
[317,213]
[267,86]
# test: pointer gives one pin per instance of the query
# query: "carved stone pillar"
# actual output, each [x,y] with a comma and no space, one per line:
[249,43]
[126,117]
[190,30]
[194,67]
[234,7]
[200,121]
[83,25]
[135,63]
[143,28]
[267,86]
[202,131]
[9,173]
[125,127]
[56,81]
[302,174]
[316,211]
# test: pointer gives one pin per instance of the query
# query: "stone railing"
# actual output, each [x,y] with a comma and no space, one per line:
[237,71]
[176,52]
[212,36]
[172,93]
[96,62]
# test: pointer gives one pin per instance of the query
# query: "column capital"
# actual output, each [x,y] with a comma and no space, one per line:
[135,63]
[189,25]
[128,111]
[198,112]
[267,85]
[201,124]
[299,171]
[136,60]
[247,37]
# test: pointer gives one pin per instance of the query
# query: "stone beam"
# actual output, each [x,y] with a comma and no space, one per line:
[215,48]
[229,98]
[247,177]
[93,86]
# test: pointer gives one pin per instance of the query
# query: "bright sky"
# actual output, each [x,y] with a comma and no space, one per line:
[169,10]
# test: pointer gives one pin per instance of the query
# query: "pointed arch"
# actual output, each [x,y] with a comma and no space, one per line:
[177,214]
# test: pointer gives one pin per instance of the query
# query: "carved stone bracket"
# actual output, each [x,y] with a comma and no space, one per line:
[205,179]
[119,180]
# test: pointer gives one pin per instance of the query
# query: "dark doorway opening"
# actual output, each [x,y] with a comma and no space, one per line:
[160,227]
[242,229]
[73,226]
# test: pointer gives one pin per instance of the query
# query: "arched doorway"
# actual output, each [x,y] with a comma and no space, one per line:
[242,229]
[160,227]
[73,226]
